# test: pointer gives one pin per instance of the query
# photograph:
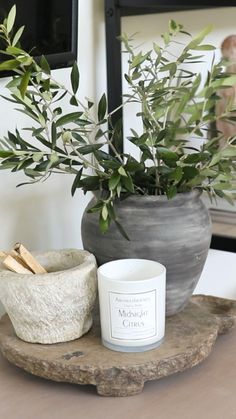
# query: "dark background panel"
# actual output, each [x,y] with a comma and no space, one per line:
[50,28]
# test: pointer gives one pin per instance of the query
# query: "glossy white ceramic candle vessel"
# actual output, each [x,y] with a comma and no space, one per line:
[132,304]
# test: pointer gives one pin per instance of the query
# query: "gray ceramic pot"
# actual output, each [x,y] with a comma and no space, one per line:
[175,232]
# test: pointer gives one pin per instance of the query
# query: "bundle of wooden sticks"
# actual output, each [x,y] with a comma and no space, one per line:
[21,261]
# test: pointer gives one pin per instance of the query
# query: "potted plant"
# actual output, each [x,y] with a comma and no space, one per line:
[148,207]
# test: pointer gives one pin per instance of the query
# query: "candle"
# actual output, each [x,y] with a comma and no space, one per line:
[132,304]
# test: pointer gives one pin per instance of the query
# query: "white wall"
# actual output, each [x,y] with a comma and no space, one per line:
[44,216]
[219,275]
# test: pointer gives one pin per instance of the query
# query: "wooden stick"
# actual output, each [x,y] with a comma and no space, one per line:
[19,259]
[15,266]
[32,263]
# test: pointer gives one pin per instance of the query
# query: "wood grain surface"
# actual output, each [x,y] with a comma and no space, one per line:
[190,336]
[206,392]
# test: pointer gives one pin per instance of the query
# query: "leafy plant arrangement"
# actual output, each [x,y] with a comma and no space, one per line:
[175,106]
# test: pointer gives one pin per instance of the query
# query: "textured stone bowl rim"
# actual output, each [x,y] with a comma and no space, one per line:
[53,307]
[88,258]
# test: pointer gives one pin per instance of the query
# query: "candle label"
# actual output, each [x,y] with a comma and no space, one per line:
[133,316]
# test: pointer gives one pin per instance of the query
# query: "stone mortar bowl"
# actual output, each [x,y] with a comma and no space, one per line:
[53,307]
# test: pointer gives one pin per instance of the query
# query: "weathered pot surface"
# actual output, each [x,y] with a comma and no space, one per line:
[174,232]
[53,307]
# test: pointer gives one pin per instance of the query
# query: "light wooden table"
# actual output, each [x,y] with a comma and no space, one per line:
[207,391]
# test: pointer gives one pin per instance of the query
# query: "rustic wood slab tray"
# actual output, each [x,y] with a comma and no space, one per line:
[190,336]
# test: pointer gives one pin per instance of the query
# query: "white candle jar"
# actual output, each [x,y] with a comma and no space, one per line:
[132,304]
